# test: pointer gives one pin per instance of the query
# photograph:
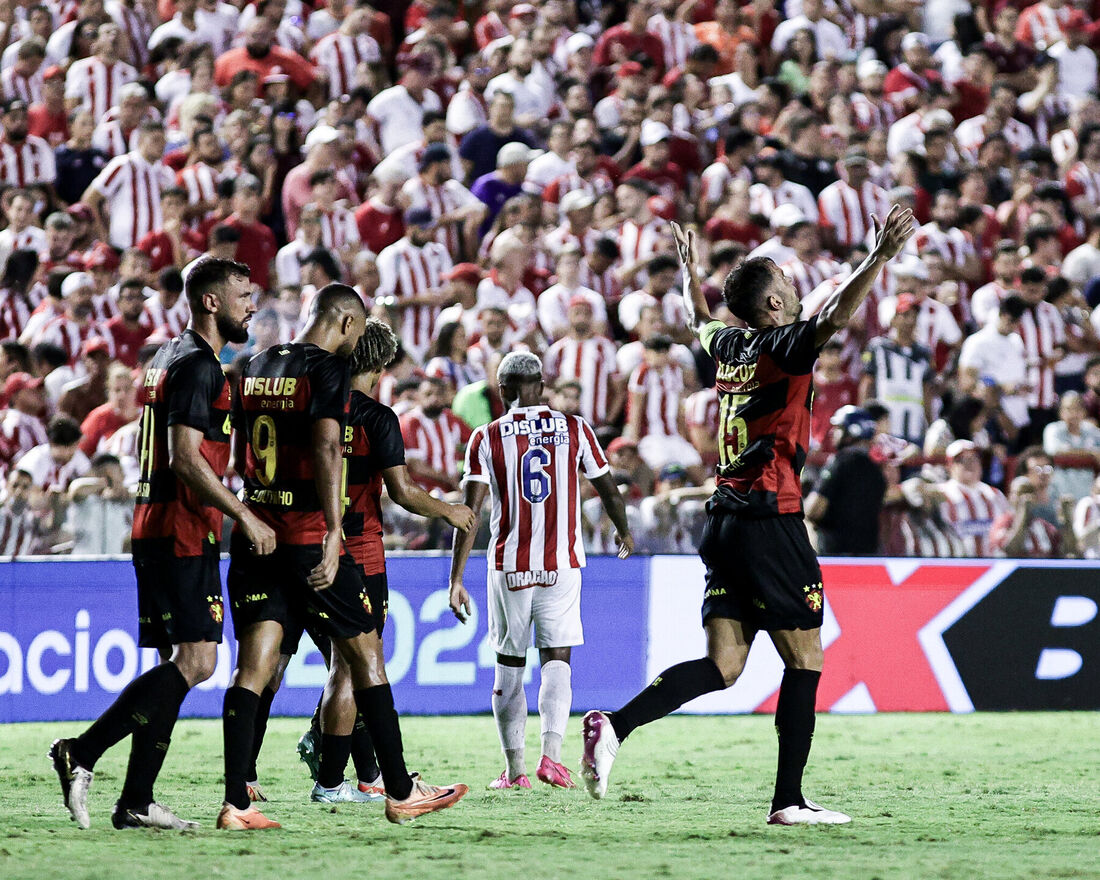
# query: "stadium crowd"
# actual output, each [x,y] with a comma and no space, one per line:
[498,176]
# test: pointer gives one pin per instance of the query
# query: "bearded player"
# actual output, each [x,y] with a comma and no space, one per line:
[529,460]
[176,532]
[762,573]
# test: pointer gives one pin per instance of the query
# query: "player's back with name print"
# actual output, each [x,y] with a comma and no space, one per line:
[532,459]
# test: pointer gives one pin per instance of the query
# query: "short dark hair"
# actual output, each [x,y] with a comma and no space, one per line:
[431,116]
[334,299]
[103,459]
[63,431]
[53,356]
[170,279]
[1031,452]
[746,285]
[661,263]
[18,354]
[208,274]
[128,283]
[323,175]
[1013,306]
[323,257]
[607,247]
[1033,275]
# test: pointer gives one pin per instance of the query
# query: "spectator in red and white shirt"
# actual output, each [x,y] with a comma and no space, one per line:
[24,159]
[588,358]
[95,83]
[339,231]
[970,505]
[125,331]
[846,206]
[809,266]
[120,410]
[167,313]
[555,303]
[1083,178]
[456,212]
[116,133]
[1044,334]
[701,415]
[23,79]
[907,84]
[740,146]
[172,244]
[577,209]
[341,54]
[200,176]
[1021,533]
[76,324]
[773,189]
[642,231]
[379,218]
[998,118]
[20,234]
[48,118]
[986,300]
[22,427]
[434,438]
[54,464]
[1086,523]
[1042,24]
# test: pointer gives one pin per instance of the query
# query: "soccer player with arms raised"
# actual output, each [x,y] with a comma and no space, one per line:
[176,532]
[529,461]
[762,573]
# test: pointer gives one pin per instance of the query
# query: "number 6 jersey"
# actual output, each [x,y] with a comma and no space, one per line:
[530,458]
[284,390]
[765,387]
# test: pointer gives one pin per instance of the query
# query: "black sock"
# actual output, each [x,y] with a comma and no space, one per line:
[675,686]
[375,704]
[362,751]
[238,726]
[794,724]
[149,744]
[335,751]
[263,710]
[135,707]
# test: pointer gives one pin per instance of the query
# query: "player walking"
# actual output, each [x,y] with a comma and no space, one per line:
[177,526]
[529,461]
[762,573]
[288,443]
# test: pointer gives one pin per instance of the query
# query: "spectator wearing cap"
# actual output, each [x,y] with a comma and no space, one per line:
[397,112]
[897,370]
[656,166]
[23,79]
[809,266]
[339,231]
[259,54]
[586,356]
[533,101]
[48,118]
[256,247]
[95,83]
[462,281]
[772,188]
[496,187]
[126,330]
[631,84]
[480,147]
[555,302]
[20,233]
[455,211]
[577,209]
[322,146]
[907,84]
[1076,61]
[22,428]
[411,280]
[25,160]
[997,352]
[969,505]
[132,179]
[870,108]
[846,206]
[405,160]
[624,41]
[76,325]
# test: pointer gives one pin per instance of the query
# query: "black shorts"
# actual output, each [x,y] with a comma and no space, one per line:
[179,597]
[375,597]
[762,572]
[276,587]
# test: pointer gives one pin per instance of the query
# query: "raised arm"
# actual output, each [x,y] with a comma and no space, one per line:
[890,238]
[695,304]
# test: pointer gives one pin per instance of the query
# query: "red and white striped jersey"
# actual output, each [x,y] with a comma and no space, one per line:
[678,38]
[339,229]
[869,113]
[971,510]
[135,21]
[663,389]
[971,134]
[1040,26]
[15,312]
[986,301]
[531,459]
[174,319]
[406,271]
[717,176]
[591,362]
[763,199]
[638,243]
[848,210]
[1085,516]
[43,313]
[458,374]
[70,335]
[448,196]
[18,532]
[26,88]
[110,137]
[561,237]
[339,55]
[436,442]
[201,182]
[27,163]
[606,284]
[1083,181]
[97,85]
[956,247]
[807,276]
[701,410]
[28,238]
[1041,541]
[850,340]
[519,302]
[1042,330]
[132,188]
[21,433]
[596,184]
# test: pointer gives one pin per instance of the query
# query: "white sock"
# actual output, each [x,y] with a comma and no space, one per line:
[555,699]
[510,713]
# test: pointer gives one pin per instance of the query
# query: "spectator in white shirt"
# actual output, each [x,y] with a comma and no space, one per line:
[1072,435]
[1076,60]
[997,351]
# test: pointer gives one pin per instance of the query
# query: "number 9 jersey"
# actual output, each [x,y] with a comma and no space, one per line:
[530,459]
[765,388]
[284,390]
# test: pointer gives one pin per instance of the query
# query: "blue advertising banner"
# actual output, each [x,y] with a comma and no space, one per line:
[68,642]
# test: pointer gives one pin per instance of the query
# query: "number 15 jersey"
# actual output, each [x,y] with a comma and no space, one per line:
[284,390]
[765,388]
[530,458]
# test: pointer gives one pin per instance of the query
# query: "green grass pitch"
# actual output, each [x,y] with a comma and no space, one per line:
[933,796]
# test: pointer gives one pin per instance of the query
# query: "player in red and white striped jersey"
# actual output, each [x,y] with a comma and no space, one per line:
[340,53]
[95,83]
[411,270]
[529,462]
[590,360]
[847,205]
[434,437]
[24,158]
[970,505]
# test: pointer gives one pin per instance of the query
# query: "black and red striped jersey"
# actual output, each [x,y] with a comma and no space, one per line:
[765,387]
[284,390]
[183,385]
[372,443]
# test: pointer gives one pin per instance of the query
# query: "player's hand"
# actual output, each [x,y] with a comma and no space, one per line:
[460,517]
[625,544]
[260,535]
[890,237]
[460,601]
[323,575]
[687,247]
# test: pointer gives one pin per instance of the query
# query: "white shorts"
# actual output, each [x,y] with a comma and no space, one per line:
[551,600]
[659,450]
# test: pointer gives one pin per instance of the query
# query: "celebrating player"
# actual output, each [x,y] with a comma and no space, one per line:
[177,525]
[529,461]
[762,573]
[288,435]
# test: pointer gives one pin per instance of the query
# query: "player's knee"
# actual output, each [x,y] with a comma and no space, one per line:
[809,657]
[197,662]
[729,665]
